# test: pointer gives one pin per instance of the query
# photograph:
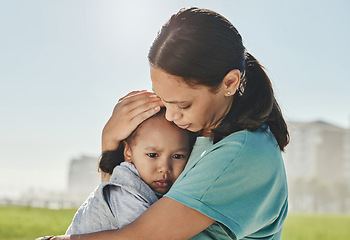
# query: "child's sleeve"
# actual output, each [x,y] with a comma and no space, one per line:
[124,205]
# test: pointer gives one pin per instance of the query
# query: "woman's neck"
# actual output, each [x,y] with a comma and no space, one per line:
[207,132]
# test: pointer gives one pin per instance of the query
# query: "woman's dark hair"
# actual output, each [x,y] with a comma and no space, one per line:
[201,46]
[110,159]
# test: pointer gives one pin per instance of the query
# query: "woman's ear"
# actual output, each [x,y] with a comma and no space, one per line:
[231,82]
[127,152]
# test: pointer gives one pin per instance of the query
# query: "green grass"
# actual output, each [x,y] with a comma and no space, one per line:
[316,227]
[24,223]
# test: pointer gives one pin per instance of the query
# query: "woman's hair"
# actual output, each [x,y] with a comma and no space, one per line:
[201,46]
[110,159]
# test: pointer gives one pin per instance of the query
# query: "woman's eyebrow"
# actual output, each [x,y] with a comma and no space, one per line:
[174,102]
[171,102]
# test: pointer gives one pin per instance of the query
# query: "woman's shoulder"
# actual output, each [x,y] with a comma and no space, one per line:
[260,137]
[239,148]
[253,145]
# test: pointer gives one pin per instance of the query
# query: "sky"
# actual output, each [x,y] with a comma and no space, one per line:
[65,63]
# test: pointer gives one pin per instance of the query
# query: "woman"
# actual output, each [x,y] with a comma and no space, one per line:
[209,83]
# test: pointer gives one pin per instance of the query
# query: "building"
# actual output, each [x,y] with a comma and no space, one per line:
[83,177]
[318,167]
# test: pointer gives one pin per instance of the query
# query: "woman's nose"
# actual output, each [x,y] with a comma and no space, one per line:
[171,114]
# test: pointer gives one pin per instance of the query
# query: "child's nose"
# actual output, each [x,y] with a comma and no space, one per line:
[164,166]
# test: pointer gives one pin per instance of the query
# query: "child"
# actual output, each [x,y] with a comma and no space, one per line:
[154,156]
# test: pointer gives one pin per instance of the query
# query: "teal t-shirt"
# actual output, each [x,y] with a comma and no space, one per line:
[240,182]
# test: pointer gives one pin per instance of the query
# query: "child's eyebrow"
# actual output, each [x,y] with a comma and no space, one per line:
[182,149]
[151,148]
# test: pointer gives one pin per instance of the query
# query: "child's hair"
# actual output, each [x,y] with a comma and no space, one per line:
[110,159]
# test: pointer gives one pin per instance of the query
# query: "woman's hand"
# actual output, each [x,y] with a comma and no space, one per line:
[130,111]
[62,237]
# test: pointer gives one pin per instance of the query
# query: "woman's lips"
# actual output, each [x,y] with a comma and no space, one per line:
[183,126]
[163,183]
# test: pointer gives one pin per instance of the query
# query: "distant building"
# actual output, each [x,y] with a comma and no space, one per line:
[318,167]
[83,177]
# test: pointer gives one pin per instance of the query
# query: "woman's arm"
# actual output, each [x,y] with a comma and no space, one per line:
[166,219]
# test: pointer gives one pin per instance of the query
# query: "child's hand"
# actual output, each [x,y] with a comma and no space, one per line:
[130,111]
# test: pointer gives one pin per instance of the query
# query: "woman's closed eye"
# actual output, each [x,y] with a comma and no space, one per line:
[183,107]
[152,155]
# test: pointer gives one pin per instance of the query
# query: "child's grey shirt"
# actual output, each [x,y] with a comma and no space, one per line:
[114,204]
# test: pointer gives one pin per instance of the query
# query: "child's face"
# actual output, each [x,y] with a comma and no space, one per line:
[159,152]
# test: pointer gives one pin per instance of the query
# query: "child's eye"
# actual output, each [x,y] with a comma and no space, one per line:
[178,156]
[152,155]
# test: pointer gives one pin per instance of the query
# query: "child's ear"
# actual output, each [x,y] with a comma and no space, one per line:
[127,152]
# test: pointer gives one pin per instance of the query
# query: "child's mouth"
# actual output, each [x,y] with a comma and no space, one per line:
[163,183]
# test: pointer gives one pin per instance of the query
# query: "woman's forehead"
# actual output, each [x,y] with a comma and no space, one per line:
[172,90]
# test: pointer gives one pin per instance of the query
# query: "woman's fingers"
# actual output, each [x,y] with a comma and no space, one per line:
[46,238]
[138,111]
[134,105]
[129,112]
[142,116]
[132,94]
[137,97]
[147,109]
[129,102]
[138,105]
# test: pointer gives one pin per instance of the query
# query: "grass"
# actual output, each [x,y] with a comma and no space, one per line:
[25,223]
[316,227]
[22,223]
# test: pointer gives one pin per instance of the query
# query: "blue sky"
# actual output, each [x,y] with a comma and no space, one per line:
[65,63]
